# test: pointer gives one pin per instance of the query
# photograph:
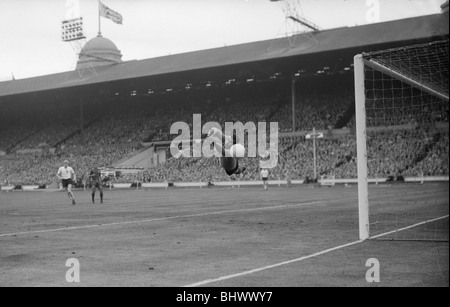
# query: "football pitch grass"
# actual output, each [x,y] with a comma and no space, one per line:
[225,237]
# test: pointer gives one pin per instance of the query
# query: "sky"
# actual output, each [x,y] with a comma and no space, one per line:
[30,30]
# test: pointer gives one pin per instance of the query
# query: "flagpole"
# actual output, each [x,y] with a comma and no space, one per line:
[99,25]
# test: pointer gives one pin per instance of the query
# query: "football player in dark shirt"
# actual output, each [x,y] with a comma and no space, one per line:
[229,163]
[96,182]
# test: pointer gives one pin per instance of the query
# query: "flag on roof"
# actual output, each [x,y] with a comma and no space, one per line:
[109,13]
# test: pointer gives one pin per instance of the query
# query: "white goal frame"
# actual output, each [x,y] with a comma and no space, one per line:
[361,131]
[361,147]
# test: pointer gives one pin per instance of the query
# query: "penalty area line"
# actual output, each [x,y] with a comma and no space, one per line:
[226,277]
[157,219]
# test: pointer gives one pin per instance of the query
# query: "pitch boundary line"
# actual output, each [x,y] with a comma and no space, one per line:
[155,219]
[226,277]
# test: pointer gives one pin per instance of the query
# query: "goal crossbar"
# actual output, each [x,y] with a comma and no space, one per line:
[392,73]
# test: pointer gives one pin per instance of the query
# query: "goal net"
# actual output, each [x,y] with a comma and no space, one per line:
[402,127]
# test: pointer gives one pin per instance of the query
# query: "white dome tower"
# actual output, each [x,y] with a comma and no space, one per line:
[99,51]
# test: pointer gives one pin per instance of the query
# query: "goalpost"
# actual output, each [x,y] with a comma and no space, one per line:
[401,116]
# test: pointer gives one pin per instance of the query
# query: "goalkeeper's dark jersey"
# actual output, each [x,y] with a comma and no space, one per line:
[230,165]
[95,175]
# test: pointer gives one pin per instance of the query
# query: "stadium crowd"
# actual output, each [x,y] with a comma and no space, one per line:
[39,168]
[113,130]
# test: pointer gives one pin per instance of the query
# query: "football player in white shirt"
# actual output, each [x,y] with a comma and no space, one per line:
[265,178]
[67,175]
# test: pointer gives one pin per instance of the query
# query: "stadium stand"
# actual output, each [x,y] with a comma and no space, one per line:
[114,129]
[99,117]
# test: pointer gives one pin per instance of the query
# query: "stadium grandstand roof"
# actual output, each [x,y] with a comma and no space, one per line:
[405,30]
